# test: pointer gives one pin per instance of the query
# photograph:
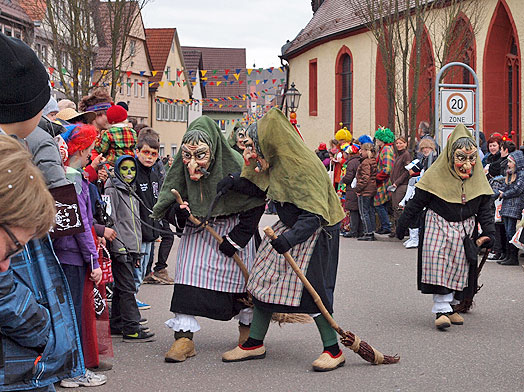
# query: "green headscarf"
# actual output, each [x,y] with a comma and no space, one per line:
[295,173]
[233,137]
[200,194]
[442,180]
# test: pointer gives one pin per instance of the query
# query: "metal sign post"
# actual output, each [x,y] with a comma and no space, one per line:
[456,104]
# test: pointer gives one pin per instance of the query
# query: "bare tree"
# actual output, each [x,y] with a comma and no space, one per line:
[119,26]
[85,36]
[401,29]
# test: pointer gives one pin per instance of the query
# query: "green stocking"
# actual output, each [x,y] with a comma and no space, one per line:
[327,333]
[260,324]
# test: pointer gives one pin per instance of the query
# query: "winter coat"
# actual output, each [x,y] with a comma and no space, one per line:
[513,196]
[366,177]
[353,163]
[47,157]
[399,173]
[498,167]
[323,155]
[125,212]
[79,249]
[39,339]
[148,183]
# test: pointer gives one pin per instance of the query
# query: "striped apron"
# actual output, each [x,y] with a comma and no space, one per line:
[443,257]
[272,280]
[200,264]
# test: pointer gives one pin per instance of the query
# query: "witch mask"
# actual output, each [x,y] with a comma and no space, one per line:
[464,157]
[127,170]
[252,151]
[196,154]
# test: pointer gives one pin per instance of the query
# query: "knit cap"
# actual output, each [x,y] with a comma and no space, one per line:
[24,80]
[116,114]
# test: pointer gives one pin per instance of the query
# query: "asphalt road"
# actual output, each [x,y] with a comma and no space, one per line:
[376,298]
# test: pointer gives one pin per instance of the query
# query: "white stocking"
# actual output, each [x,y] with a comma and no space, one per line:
[442,303]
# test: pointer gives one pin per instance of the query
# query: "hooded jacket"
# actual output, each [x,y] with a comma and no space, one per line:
[125,211]
[513,196]
[148,182]
[39,340]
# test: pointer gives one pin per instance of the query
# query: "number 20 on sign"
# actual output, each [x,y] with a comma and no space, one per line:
[456,107]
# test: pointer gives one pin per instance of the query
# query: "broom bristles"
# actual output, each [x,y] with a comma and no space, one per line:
[366,351]
[291,318]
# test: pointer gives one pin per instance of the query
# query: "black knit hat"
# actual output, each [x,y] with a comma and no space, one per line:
[24,80]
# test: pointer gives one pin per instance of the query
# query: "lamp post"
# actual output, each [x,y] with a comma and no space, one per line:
[292,101]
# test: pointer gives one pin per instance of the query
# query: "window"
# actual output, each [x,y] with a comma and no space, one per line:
[173,150]
[178,75]
[44,54]
[132,47]
[165,114]
[173,47]
[168,73]
[158,111]
[8,31]
[136,88]
[172,115]
[142,89]
[313,104]
[162,150]
[344,88]
[222,125]
[128,87]
[18,34]
[121,88]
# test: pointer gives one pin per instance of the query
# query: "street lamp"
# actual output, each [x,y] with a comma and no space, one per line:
[292,101]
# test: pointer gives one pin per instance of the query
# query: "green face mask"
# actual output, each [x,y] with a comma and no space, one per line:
[127,170]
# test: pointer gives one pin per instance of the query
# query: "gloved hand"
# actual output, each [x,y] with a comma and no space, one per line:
[181,212]
[227,183]
[135,259]
[227,248]
[281,244]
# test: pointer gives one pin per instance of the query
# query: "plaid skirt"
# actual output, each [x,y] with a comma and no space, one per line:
[443,257]
[272,280]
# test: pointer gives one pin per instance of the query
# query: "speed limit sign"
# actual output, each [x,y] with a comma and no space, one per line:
[456,107]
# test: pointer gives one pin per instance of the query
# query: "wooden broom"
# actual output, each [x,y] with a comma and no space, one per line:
[348,338]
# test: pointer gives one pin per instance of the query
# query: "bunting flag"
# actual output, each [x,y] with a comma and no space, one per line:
[203,72]
[154,73]
[129,73]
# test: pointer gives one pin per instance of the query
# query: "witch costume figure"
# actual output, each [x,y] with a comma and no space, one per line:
[236,138]
[208,282]
[280,166]
[456,196]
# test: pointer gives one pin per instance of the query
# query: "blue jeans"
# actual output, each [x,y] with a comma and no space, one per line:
[140,273]
[510,224]
[365,207]
[383,217]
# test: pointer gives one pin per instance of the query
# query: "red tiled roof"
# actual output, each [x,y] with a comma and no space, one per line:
[221,59]
[12,8]
[35,9]
[159,44]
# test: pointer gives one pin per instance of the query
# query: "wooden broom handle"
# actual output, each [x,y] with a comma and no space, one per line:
[318,301]
[215,235]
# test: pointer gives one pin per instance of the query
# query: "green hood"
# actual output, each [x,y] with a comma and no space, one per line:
[200,194]
[295,173]
[442,180]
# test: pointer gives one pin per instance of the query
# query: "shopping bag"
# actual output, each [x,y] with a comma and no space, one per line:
[498,206]
[516,240]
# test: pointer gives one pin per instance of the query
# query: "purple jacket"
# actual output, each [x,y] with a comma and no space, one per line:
[79,248]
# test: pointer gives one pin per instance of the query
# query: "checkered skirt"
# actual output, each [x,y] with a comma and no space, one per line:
[272,280]
[443,257]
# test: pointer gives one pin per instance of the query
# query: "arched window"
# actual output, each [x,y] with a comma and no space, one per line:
[344,89]
[501,103]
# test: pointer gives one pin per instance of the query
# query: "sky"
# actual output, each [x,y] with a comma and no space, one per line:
[260,26]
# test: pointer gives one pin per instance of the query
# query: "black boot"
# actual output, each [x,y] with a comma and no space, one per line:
[512,258]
